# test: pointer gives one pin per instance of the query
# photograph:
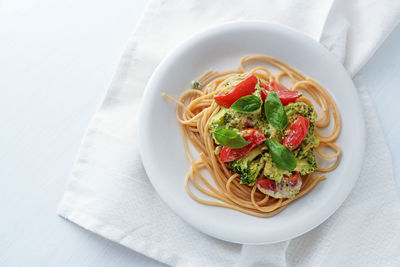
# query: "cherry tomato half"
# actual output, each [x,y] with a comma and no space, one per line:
[266,184]
[285,95]
[298,131]
[245,87]
[294,180]
[252,136]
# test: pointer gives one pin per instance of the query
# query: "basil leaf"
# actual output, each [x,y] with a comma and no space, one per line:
[229,138]
[247,104]
[275,112]
[283,158]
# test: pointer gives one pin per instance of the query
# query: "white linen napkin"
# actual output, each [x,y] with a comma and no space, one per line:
[110,194]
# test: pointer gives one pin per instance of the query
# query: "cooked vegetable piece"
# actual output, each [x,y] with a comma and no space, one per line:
[245,87]
[287,188]
[297,132]
[285,95]
[248,167]
[252,136]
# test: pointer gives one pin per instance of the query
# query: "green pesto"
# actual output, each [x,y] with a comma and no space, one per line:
[259,159]
[248,167]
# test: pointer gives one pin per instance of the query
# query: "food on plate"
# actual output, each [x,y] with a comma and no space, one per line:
[261,134]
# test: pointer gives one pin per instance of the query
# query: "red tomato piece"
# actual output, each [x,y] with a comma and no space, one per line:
[294,180]
[264,86]
[298,131]
[277,87]
[284,189]
[285,95]
[245,87]
[252,136]
[266,184]
[264,93]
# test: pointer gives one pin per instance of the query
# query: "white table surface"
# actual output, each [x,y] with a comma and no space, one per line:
[56,61]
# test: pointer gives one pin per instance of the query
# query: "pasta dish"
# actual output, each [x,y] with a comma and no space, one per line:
[265,134]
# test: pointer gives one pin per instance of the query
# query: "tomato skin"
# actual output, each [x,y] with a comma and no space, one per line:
[252,136]
[298,131]
[287,188]
[285,95]
[294,180]
[264,93]
[267,184]
[277,87]
[245,87]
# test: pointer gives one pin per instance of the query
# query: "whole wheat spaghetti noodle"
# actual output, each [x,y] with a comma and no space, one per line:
[196,107]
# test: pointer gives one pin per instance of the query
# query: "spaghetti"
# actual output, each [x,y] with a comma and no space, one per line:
[196,107]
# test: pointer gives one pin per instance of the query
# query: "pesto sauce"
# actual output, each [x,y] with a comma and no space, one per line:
[250,167]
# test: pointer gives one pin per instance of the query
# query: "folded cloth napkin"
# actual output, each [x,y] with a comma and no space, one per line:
[110,194]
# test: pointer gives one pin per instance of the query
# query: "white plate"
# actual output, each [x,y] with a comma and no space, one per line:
[220,48]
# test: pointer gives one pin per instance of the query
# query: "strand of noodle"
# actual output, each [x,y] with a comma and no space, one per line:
[273,61]
[335,114]
[253,193]
[215,176]
[306,101]
[333,146]
[180,104]
[195,141]
[308,87]
[332,167]
[214,194]
[266,77]
[226,205]
[267,208]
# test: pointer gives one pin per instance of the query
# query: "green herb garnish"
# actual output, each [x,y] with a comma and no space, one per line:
[229,138]
[283,158]
[275,112]
[247,104]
